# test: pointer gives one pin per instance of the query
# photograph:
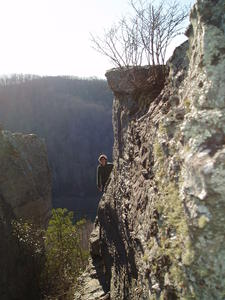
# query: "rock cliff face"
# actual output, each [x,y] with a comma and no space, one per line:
[25,182]
[160,226]
[25,192]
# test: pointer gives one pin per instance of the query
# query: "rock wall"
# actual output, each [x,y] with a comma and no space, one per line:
[25,192]
[160,227]
[25,181]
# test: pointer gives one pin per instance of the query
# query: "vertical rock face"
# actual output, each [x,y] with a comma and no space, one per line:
[161,224]
[25,182]
[25,192]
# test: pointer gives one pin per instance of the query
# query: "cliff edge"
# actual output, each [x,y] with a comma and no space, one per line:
[160,226]
[25,193]
[25,182]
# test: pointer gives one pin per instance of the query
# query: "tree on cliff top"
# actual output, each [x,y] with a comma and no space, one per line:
[144,37]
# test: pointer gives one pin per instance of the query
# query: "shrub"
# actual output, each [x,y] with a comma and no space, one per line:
[65,259]
[56,254]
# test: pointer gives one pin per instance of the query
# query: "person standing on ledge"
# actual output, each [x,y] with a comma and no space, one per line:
[103,172]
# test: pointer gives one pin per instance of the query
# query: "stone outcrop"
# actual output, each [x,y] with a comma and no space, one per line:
[25,193]
[136,80]
[25,181]
[160,227]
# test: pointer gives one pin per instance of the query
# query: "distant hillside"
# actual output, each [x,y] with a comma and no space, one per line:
[74,117]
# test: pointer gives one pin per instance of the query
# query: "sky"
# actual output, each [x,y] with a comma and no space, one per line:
[52,37]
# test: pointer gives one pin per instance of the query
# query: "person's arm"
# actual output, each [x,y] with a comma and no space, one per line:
[99,179]
[110,167]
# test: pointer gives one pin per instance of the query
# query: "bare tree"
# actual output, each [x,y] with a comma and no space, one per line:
[142,38]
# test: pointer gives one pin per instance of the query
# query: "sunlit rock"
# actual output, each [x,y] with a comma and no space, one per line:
[162,220]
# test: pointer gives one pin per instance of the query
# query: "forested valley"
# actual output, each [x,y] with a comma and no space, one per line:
[73,115]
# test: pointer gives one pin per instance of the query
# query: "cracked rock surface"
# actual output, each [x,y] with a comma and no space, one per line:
[160,227]
[25,181]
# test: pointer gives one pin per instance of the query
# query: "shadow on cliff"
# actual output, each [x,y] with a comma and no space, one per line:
[123,253]
[19,275]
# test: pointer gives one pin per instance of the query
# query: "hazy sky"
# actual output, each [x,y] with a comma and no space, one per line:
[52,37]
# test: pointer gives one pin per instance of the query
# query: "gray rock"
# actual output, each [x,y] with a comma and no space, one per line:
[25,181]
[95,242]
[128,80]
[25,193]
[162,218]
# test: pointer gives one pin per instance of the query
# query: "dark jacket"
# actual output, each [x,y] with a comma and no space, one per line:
[103,173]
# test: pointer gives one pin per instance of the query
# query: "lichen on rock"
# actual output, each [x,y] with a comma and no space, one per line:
[161,221]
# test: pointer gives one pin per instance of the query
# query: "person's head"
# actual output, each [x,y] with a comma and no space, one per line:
[102,159]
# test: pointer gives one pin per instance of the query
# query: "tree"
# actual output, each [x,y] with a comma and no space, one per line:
[65,258]
[52,258]
[144,37]
[24,256]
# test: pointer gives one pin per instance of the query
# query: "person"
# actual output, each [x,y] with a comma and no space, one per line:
[103,172]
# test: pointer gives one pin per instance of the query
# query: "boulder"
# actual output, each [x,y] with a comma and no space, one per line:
[25,180]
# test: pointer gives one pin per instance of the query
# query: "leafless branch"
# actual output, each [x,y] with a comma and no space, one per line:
[144,37]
